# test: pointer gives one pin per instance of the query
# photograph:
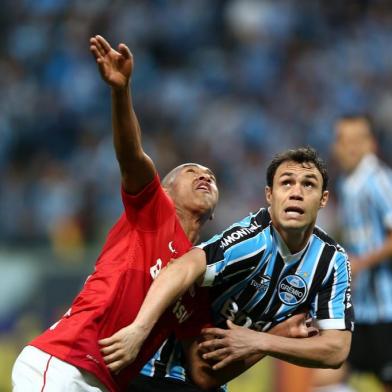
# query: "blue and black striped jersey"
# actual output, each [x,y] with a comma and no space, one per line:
[366,206]
[256,282]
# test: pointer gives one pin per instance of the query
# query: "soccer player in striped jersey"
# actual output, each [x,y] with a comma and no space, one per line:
[366,210]
[260,271]
[160,221]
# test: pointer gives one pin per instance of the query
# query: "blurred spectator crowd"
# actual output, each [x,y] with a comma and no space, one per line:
[226,83]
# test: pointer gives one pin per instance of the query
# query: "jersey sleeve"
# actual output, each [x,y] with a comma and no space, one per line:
[149,207]
[332,306]
[381,195]
[232,251]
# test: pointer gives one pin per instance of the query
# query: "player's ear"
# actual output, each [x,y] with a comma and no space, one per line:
[268,194]
[324,199]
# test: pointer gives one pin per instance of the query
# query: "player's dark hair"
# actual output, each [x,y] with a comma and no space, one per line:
[298,155]
[357,117]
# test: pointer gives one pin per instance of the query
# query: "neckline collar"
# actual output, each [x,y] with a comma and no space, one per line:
[284,251]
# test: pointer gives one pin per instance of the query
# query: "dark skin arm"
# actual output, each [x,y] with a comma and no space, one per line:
[205,377]
[116,67]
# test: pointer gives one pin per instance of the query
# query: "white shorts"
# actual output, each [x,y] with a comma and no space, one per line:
[37,371]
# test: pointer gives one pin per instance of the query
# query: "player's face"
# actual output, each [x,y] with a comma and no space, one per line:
[353,141]
[296,197]
[194,188]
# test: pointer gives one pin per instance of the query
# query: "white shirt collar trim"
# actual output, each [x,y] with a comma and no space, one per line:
[284,251]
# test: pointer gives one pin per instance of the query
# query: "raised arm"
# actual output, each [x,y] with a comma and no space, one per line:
[116,67]
[121,349]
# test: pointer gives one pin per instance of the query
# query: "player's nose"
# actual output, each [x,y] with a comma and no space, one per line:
[204,177]
[296,192]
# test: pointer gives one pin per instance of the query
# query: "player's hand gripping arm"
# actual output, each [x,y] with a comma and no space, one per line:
[115,67]
[328,349]
[121,349]
[206,377]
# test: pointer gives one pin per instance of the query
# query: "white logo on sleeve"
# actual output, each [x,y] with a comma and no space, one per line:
[171,247]
[156,269]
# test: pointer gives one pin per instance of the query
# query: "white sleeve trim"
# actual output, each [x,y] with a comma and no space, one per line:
[331,324]
[209,276]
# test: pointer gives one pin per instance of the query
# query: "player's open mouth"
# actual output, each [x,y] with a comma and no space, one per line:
[204,186]
[294,211]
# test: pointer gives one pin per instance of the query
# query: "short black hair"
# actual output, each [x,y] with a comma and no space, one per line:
[298,155]
[358,117]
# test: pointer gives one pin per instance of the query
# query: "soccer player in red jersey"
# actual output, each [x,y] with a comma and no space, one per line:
[160,222]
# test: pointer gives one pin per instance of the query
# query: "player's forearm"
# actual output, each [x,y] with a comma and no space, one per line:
[172,282]
[207,378]
[328,350]
[126,129]
[137,169]
[283,329]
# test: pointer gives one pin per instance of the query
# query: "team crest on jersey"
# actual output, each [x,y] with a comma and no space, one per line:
[292,290]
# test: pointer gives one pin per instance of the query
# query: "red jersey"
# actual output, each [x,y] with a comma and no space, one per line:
[143,241]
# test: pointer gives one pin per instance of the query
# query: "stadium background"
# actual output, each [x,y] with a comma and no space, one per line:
[223,82]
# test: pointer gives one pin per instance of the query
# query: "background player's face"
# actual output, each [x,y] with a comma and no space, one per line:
[353,141]
[194,188]
[296,196]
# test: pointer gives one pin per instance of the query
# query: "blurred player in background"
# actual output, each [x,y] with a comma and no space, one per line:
[261,270]
[366,211]
[161,221]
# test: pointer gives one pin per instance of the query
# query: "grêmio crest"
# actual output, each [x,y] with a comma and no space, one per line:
[292,290]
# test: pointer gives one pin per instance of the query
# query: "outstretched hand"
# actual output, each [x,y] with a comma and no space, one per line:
[115,66]
[122,348]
